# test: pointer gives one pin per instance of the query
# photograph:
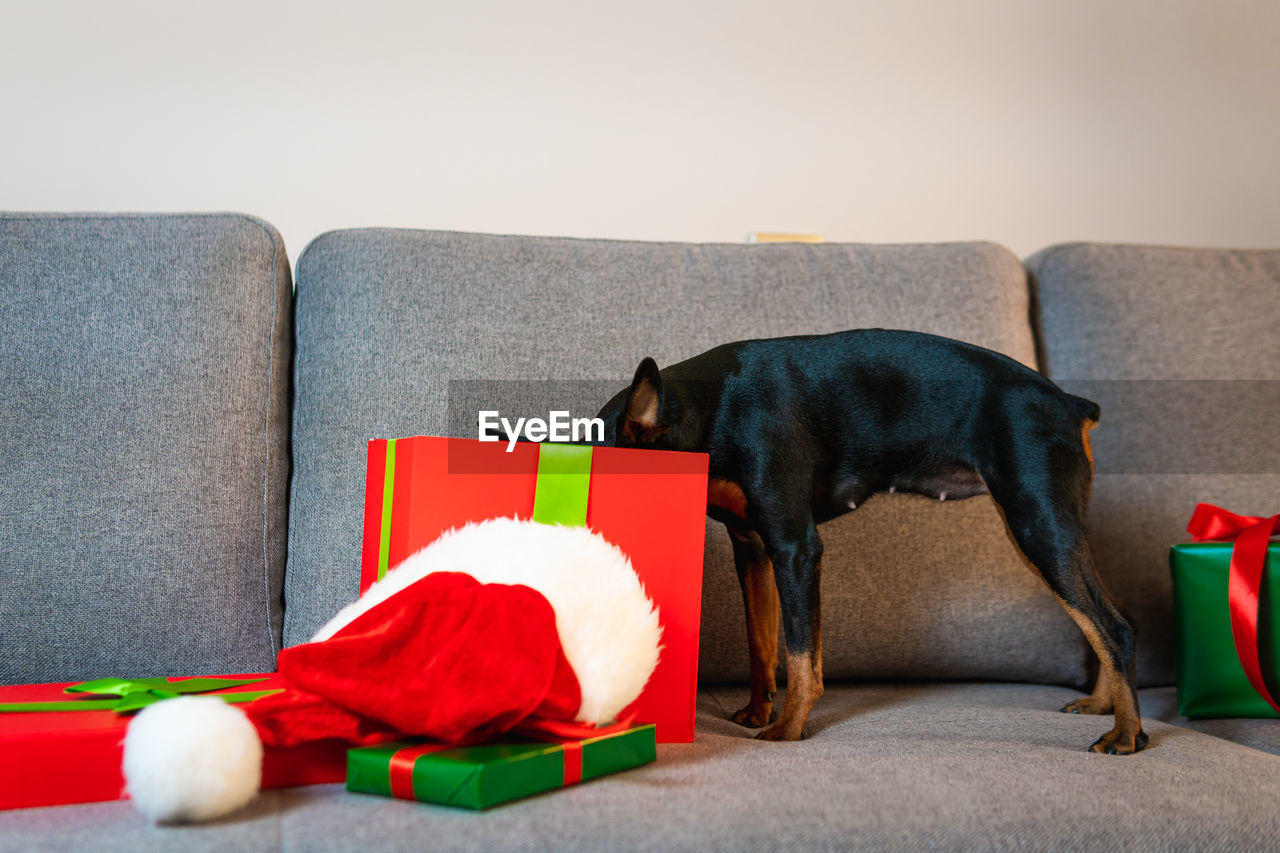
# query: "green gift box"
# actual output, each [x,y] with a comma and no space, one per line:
[486,775]
[1226,604]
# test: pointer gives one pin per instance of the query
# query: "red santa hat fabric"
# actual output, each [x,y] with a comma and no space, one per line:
[446,658]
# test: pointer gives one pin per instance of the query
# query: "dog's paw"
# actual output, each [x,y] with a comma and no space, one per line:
[1088,705]
[754,717]
[779,732]
[1116,742]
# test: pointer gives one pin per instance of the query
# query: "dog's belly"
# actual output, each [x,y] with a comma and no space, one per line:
[948,484]
[833,497]
[727,502]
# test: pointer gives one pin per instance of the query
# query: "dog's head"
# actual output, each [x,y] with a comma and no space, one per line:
[642,414]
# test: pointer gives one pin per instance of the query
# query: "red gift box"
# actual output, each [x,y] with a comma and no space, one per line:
[650,504]
[59,757]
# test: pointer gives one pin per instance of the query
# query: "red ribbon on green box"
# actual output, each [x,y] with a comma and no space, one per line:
[1213,652]
[485,775]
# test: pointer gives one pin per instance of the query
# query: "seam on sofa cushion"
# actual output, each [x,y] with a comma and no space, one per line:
[324,236]
[266,434]
[266,427]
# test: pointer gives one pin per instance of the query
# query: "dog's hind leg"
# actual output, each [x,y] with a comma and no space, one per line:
[1043,497]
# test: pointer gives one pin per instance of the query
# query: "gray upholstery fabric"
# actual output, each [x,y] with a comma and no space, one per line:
[390,324]
[1180,348]
[1161,703]
[142,520]
[886,767]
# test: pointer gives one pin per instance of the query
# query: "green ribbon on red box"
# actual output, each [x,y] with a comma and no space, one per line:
[137,693]
[1250,536]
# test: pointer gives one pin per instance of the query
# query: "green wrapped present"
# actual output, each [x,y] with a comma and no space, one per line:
[1226,604]
[478,777]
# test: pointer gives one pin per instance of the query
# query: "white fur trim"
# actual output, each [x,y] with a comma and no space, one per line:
[192,758]
[608,626]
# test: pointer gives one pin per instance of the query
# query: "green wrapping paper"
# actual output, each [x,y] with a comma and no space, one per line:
[1211,679]
[486,775]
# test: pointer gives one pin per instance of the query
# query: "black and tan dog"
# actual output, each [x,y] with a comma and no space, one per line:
[804,429]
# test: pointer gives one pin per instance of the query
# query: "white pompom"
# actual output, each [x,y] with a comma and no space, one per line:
[608,626]
[190,759]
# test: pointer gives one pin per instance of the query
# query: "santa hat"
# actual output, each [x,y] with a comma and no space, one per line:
[496,625]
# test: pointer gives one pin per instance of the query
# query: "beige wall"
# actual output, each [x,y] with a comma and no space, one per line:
[1023,122]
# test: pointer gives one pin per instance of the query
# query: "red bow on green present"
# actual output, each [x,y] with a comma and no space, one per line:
[1248,562]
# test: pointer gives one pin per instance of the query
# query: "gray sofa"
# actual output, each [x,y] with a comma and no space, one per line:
[183,468]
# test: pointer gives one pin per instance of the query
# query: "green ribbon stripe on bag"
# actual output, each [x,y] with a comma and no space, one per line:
[388,493]
[564,484]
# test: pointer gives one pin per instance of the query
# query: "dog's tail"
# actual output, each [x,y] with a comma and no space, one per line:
[1086,410]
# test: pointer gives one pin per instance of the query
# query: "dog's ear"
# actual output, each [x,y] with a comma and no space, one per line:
[643,417]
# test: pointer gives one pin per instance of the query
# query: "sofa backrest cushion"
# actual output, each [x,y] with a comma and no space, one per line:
[390,323]
[1180,348]
[145,367]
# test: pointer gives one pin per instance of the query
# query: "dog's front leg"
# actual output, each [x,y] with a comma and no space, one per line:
[796,563]
[760,597]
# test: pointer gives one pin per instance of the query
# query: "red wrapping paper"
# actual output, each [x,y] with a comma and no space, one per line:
[62,757]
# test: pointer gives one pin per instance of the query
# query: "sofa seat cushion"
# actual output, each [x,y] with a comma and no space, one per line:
[1161,703]
[1180,348]
[145,367]
[887,767]
[409,332]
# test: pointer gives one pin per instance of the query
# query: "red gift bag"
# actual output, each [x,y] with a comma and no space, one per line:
[650,504]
